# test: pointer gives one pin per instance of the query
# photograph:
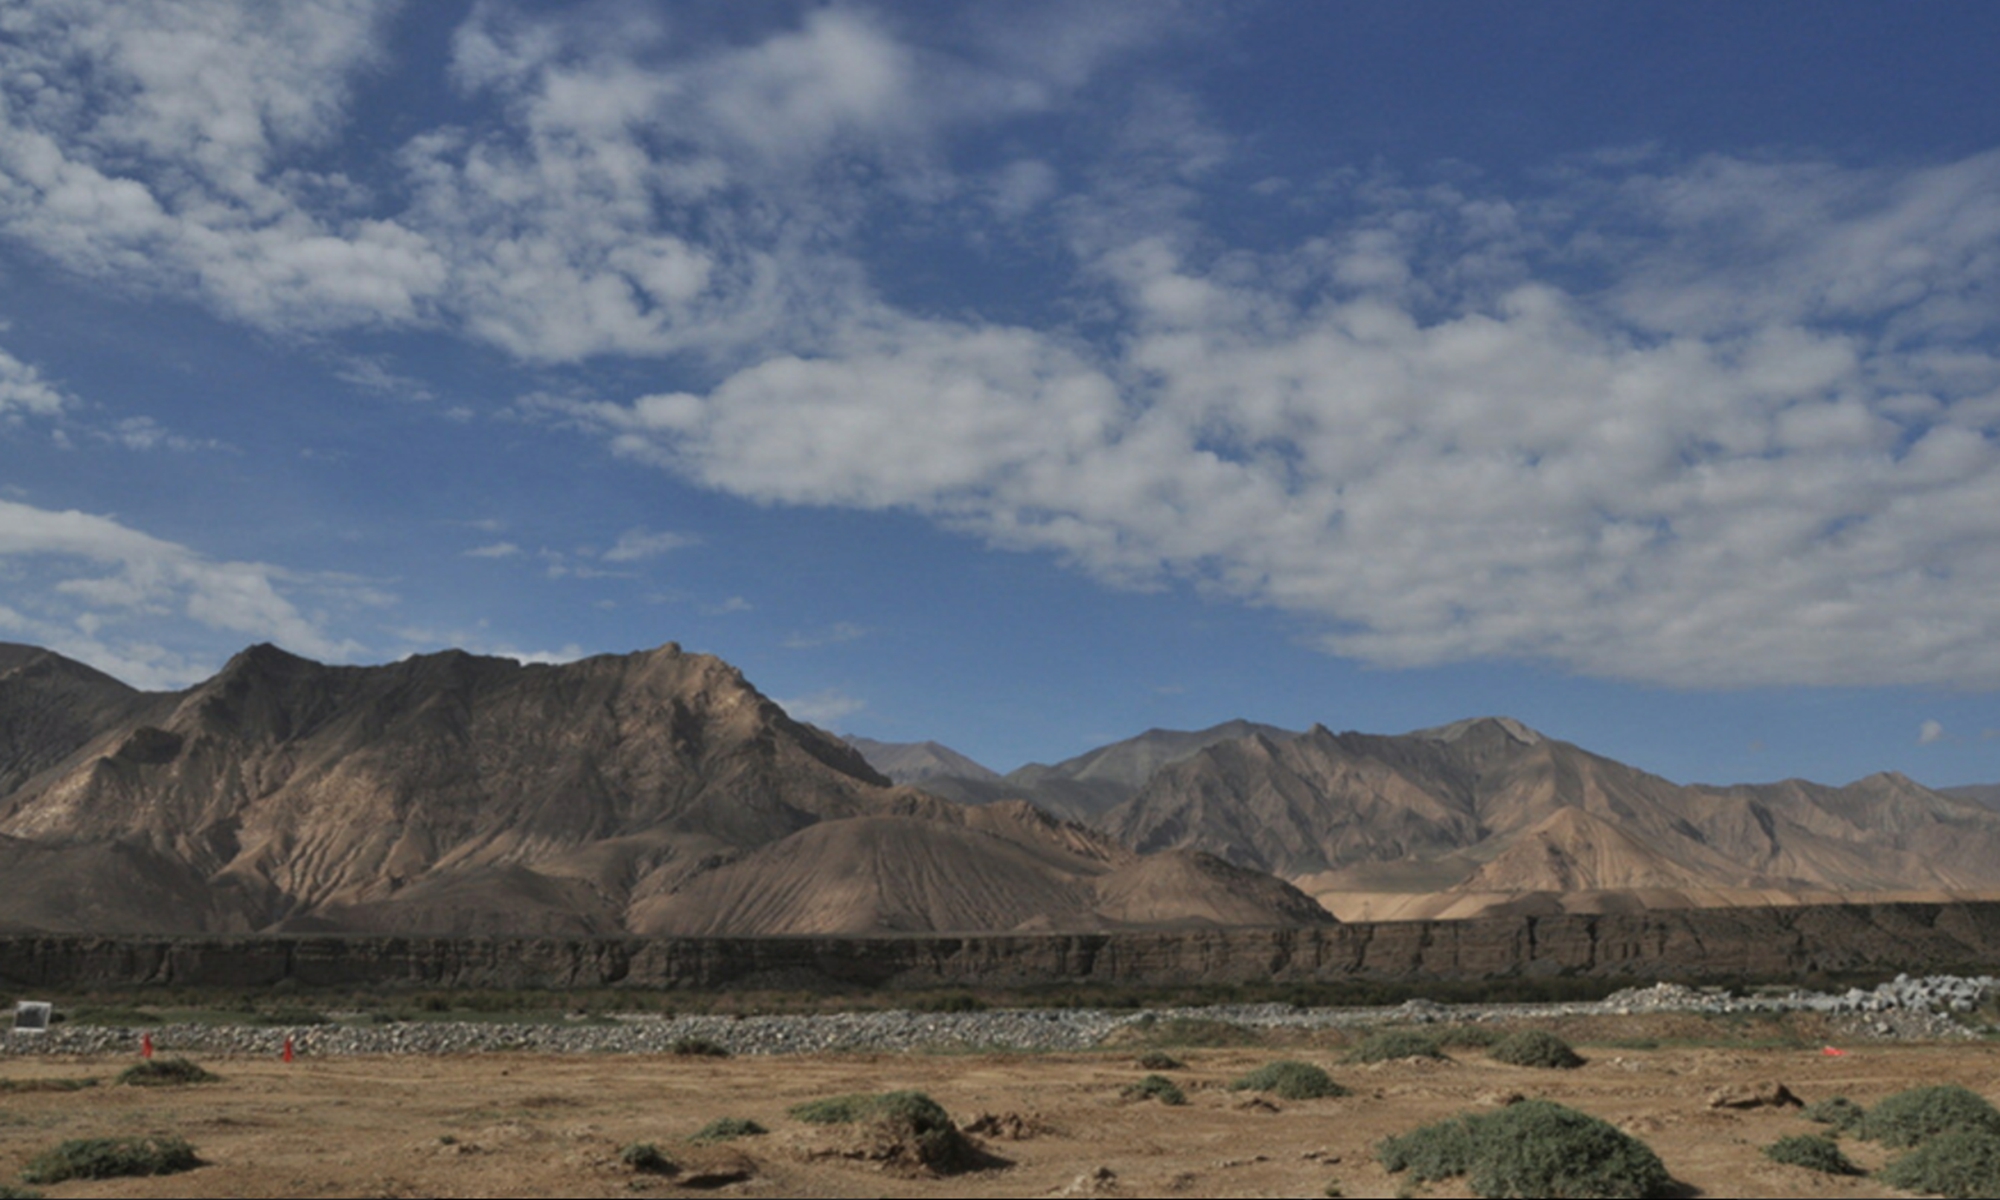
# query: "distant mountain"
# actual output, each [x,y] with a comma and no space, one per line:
[915,762]
[454,794]
[1493,810]
[1979,793]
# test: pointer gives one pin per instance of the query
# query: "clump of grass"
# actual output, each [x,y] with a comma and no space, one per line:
[1536,1048]
[1155,1087]
[9,1192]
[110,1158]
[1475,1037]
[73,1084]
[1837,1111]
[1534,1148]
[1813,1152]
[724,1129]
[1393,1044]
[694,1047]
[1289,1081]
[646,1157]
[906,1127]
[1160,1060]
[165,1072]
[1960,1163]
[1913,1117]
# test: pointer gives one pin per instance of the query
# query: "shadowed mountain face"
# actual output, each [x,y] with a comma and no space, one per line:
[918,762]
[1489,808]
[454,794]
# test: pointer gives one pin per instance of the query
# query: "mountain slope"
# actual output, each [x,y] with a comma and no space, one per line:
[919,762]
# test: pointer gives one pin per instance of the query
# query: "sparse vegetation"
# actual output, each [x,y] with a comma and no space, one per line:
[724,1129]
[1913,1117]
[693,1047]
[1811,1151]
[1156,1087]
[1471,1037]
[110,1158]
[1536,1048]
[1534,1148]
[1963,1162]
[1160,1060]
[1392,1044]
[71,1084]
[906,1127]
[1190,1031]
[952,1002]
[1289,1080]
[646,1158]
[1837,1111]
[165,1072]
[9,1192]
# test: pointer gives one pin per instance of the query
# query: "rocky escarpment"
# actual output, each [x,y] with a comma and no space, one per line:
[1693,944]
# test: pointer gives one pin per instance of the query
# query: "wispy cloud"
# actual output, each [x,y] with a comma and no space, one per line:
[636,544]
[825,708]
[494,550]
[834,634]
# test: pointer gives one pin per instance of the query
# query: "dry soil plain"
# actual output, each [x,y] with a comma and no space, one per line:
[518,1124]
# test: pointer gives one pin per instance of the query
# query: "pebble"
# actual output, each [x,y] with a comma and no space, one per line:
[1905,1008]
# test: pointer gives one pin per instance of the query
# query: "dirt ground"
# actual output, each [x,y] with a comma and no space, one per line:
[514,1124]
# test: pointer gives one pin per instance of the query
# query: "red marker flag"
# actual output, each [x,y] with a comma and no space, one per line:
[288,1047]
[1831,1052]
[145,1045]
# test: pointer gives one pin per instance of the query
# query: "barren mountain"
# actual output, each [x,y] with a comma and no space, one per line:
[454,794]
[917,762]
[1482,813]
[1979,793]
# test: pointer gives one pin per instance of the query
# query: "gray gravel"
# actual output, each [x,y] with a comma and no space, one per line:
[1905,1008]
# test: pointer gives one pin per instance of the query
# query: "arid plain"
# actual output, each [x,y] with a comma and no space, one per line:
[516,1124]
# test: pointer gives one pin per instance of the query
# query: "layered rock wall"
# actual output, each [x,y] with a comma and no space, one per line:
[1689,944]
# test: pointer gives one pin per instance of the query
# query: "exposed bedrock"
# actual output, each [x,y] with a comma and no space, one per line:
[1687,944]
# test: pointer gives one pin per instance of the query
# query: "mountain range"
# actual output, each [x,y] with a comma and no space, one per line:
[661,793]
[652,793]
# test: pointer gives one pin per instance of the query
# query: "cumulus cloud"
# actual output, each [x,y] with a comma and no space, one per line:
[1930,732]
[78,579]
[23,391]
[1459,428]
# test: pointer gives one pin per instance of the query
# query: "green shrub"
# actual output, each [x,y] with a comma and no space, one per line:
[724,1129]
[1475,1037]
[1837,1111]
[1160,1060]
[693,1047]
[9,1192]
[1534,1148]
[1155,1087]
[165,1072]
[72,1084]
[1290,1081]
[1536,1048]
[908,1127]
[1963,1162]
[1913,1117]
[646,1157]
[109,1158]
[1394,1044]
[1814,1153]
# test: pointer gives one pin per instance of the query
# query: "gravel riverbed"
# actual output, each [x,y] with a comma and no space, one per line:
[1905,1008]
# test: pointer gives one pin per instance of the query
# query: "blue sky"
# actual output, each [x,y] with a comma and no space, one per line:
[1023,376]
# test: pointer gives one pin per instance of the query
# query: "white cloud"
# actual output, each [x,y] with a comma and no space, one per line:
[75,578]
[832,635]
[24,391]
[1419,431]
[494,550]
[823,708]
[636,544]
[1930,732]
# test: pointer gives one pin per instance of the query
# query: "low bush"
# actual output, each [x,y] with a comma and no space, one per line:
[1155,1087]
[1813,1152]
[1474,1037]
[110,1158]
[907,1128]
[1837,1111]
[1536,1048]
[1534,1148]
[165,1072]
[724,1129]
[9,1192]
[1394,1044]
[1160,1060]
[1289,1081]
[1963,1162]
[1913,1117]
[646,1157]
[693,1047]
[72,1084]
